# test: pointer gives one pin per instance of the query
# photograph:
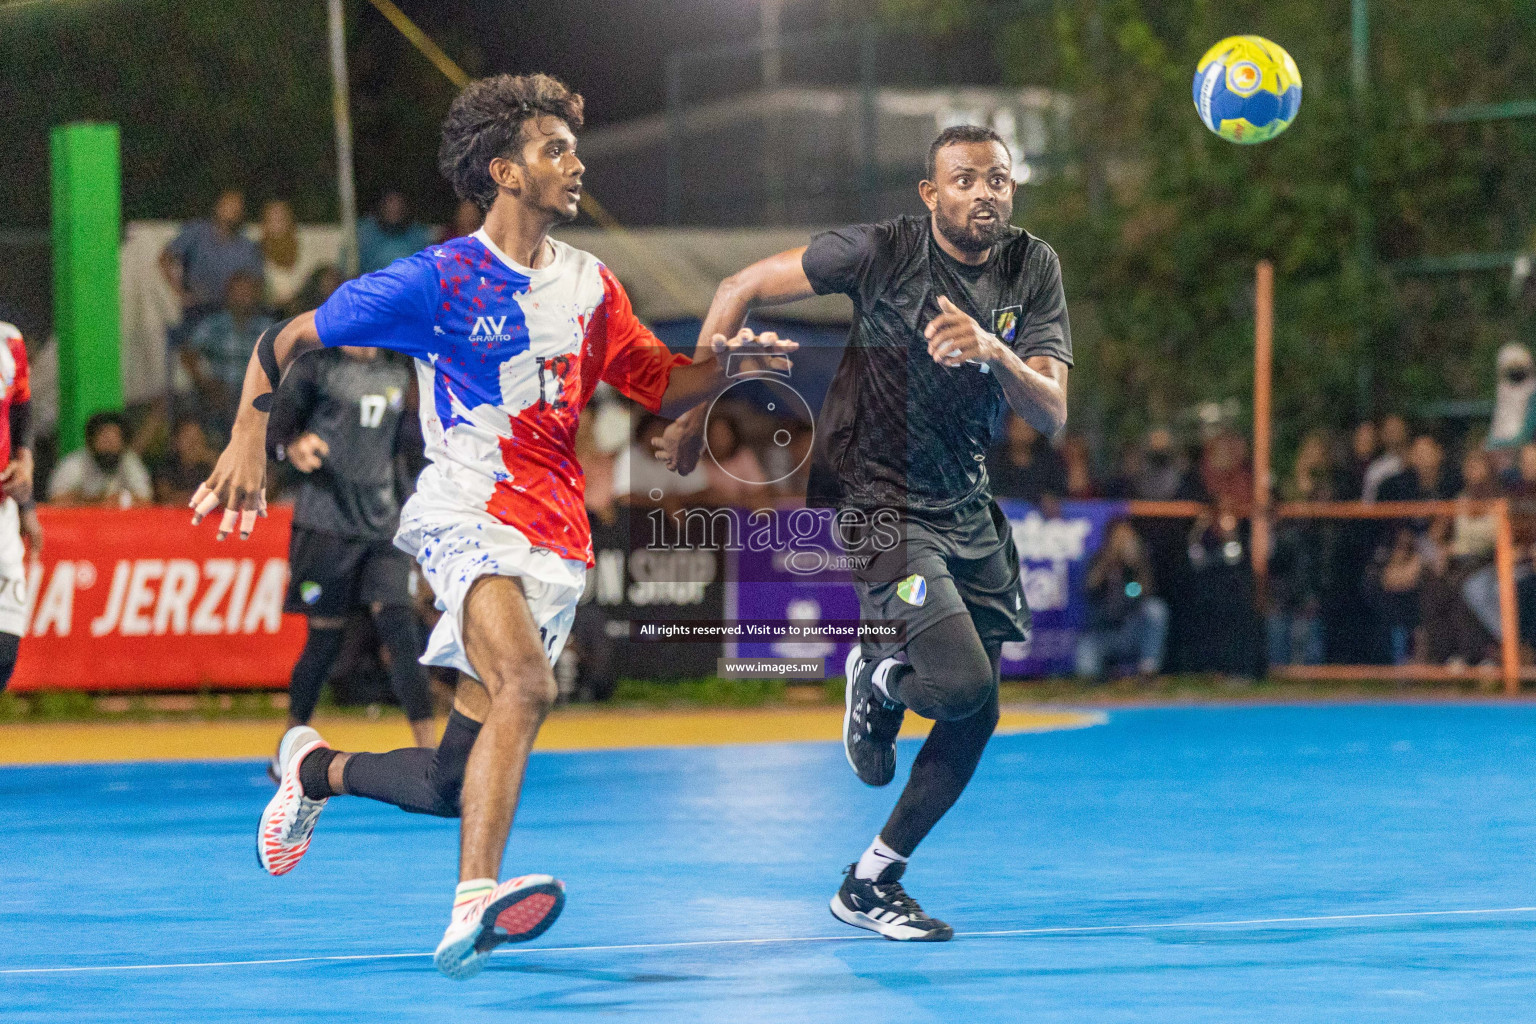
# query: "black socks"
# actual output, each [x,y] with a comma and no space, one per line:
[315,773]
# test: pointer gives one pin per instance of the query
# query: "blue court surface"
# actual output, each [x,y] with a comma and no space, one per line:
[1335,863]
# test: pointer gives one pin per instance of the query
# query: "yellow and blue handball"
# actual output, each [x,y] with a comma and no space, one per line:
[1247,89]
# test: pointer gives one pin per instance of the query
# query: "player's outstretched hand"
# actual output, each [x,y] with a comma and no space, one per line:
[755,352]
[239,483]
[681,444]
[16,478]
[955,339]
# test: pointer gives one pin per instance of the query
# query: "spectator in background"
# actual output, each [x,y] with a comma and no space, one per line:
[1423,477]
[1299,559]
[389,234]
[1226,634]
[467,219]
[286,261]
[1391,461]
[1025,465]
[1459,547]
[1481,590]
[1350,484]
[1160,476]
[1224,469]
[1352,635]
[731,469]
[105,471]
[190,461]
[1395,583]
[1127,621]
[1074,452]
[220,350]
[322,281]
[201,259]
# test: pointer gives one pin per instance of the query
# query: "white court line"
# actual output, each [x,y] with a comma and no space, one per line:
[629,947]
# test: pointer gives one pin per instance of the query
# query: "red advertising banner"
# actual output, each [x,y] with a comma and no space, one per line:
[139,599]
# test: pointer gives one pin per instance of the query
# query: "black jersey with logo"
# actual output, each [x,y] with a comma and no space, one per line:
[897,429]
[358,407]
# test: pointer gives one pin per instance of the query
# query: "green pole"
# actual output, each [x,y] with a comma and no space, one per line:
[1360,46]
[87,223]
[1360,83]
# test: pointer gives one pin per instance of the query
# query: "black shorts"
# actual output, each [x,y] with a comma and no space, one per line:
[963,561]
[329,575]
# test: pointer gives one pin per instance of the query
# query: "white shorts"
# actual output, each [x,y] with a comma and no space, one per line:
[455,547]
[13,570]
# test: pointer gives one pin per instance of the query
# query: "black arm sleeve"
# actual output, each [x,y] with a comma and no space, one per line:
[293,404]
[838,260]
[21,425]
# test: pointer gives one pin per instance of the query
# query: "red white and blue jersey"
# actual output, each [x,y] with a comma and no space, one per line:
[15,384]
[507,357]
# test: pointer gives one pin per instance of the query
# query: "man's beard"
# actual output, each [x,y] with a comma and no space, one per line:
[971,237]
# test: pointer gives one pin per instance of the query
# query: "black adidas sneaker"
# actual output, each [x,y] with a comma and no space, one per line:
[870,723]
[883,906]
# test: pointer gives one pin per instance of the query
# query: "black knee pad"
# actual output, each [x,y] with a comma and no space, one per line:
[10,644]
[951,677]
[400,630]
[948,699]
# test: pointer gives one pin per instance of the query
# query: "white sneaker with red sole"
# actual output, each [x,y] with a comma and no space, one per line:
[289,820]
[515,911]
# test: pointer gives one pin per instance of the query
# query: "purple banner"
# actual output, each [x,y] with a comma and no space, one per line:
[1053,553]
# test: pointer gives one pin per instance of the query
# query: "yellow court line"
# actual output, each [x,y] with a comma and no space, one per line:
[567,729]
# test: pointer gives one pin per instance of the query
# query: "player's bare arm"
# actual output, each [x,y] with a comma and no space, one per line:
[239,479]
[1036,388]
[691,387]
[16,478]
[771,281]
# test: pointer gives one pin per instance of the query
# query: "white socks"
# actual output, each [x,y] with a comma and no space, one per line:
[875,860]
[881,679]
[468,892]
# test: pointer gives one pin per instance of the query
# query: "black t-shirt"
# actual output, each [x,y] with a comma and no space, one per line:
[897,429]
[358,407]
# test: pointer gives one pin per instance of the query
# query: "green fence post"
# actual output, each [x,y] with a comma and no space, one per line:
[87,226]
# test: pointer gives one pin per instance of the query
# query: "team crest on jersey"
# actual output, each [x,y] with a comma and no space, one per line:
[395,397]
[309,591]
[913,590]
[1006,321]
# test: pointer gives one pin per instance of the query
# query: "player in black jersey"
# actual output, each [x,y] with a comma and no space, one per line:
[957,316]
[341,419]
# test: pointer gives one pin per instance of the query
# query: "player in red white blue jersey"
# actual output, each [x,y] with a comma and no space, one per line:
[18,515]
[511,331]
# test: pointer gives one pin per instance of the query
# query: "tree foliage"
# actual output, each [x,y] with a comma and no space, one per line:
[1160,223]
[210,94]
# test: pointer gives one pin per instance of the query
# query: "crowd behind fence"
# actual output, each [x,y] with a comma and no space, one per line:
[1163,593]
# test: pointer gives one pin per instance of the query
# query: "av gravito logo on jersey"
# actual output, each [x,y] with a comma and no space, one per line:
[159,596]
[491,328]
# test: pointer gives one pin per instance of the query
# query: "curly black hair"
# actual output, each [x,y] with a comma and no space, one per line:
[486,121]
